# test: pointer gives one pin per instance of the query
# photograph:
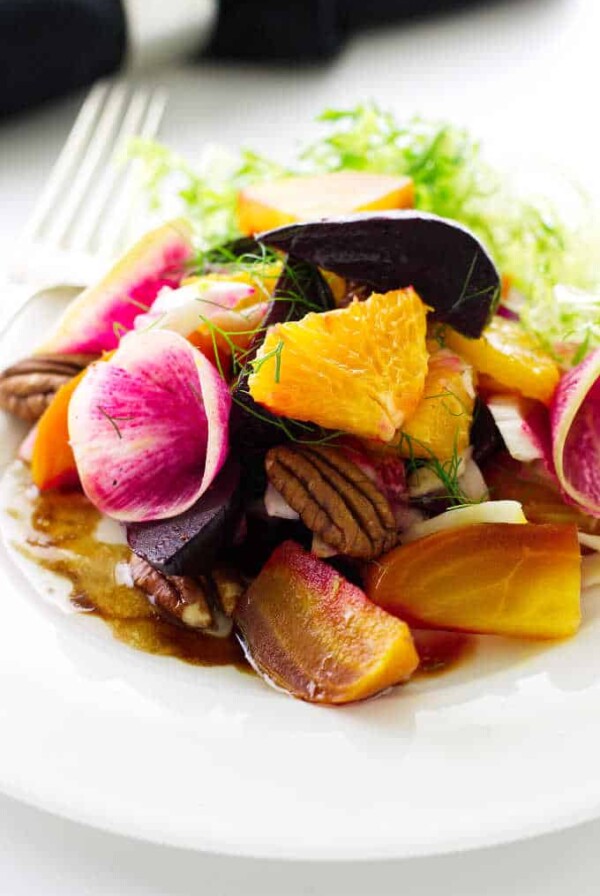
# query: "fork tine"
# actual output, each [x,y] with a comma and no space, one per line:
[114,224]
[65,163]
[155,114]
[97,145]
[98,200]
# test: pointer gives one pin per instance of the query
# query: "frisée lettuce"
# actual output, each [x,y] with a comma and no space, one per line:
[550,264]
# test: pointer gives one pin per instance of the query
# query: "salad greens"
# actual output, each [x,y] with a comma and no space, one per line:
[527,239]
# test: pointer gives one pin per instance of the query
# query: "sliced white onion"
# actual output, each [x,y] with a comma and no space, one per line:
[590,571]
[182,310]
[472,484]
[510,413]
[425,481]
[473,514]
[589,541]
[277,506]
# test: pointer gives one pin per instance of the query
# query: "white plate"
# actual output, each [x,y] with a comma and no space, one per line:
[502,747]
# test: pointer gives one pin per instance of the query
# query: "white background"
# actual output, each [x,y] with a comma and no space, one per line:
[525,75]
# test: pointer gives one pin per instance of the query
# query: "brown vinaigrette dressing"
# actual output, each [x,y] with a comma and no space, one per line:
[68,522]
[440,651]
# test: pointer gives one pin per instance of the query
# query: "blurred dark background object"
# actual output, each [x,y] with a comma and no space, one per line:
[50,47]
[308,30]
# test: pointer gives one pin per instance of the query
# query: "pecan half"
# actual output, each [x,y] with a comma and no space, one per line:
[28,387]
[228,588]
[334,498]
[196,603]
[178,597]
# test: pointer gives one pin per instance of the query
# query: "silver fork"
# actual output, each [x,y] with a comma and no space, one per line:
[82,216]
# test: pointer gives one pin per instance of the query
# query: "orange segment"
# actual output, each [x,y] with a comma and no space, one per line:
[52,462]
[360,369]
[511,357]
[274,203]
[441,424]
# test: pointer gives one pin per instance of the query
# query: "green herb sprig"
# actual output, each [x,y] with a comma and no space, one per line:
[448,471]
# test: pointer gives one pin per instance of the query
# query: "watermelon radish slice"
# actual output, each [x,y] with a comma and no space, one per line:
[101,314]
[149,427]
[575,426]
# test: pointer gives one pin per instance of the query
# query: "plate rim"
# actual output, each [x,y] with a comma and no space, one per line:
[580,807]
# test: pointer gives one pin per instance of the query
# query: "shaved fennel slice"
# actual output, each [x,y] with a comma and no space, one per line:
[469,515]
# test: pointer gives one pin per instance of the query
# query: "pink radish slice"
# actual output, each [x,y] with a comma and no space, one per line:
[575,427]
[149,427]
[183,310]
[96,319]
[276,505]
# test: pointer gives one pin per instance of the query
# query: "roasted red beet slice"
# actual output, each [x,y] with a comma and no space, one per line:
[441,259]
[187,544]
[309,631]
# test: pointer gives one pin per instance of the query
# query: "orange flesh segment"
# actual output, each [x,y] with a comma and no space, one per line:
[491,578]
[359,369]
[510,356]
[275,203]
[441,424]
[317,636]
[52,462]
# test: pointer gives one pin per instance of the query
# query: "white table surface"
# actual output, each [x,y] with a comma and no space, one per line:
[524,74]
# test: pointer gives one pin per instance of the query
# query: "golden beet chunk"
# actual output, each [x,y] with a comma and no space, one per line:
[492,578]
[273,203]
[317,636]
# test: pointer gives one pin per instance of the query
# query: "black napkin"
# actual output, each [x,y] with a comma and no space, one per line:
[307,30]
[49,47]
